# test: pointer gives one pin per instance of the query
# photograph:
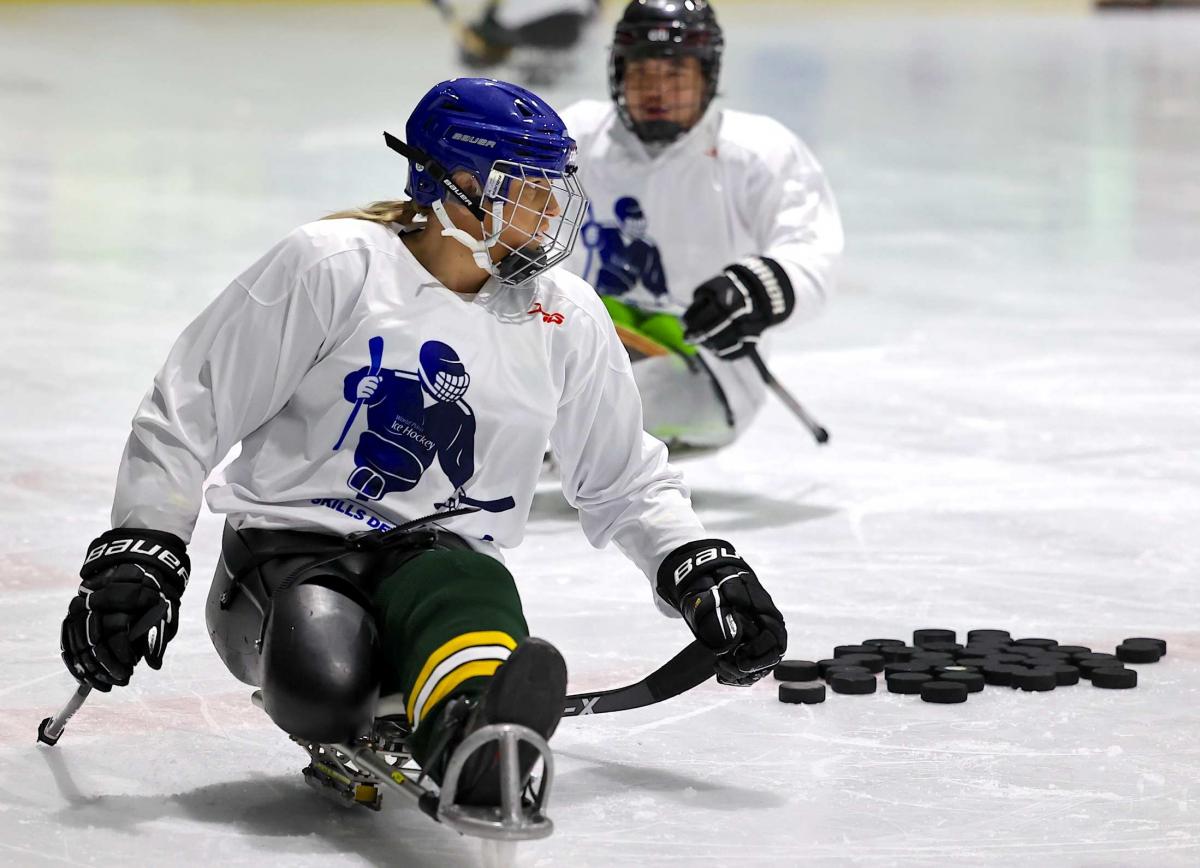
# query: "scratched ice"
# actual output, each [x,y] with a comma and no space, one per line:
[1009,373]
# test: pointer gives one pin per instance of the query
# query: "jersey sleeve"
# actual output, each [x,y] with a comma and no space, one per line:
[232,369]
[794,216]
[613,472]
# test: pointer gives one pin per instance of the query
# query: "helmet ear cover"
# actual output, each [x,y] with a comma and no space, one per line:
[437,172]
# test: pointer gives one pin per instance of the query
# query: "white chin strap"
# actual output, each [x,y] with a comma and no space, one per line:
[480,248]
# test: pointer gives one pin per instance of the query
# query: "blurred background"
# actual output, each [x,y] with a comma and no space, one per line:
[1010,371]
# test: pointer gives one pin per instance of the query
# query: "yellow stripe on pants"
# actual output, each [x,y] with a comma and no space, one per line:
[457,677]
[458,643]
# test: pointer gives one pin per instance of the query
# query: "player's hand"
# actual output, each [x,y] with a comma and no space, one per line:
[726,608]
[730,311]
[127,606]
[366,387]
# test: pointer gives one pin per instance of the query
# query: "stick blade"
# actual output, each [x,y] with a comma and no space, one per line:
[43,737]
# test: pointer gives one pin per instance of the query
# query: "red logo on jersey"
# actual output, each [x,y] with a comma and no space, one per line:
[555,318]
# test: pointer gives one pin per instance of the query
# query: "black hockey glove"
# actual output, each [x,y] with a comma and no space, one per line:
[729,312]
[127,606]
[728,610]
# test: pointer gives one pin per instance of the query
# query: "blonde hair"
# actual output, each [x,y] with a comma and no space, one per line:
[402,211]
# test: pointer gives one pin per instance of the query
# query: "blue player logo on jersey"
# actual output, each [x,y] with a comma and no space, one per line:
[412,418]
[623,257]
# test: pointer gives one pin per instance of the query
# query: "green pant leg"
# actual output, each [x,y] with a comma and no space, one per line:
[668,331]
[622,313]
[447,620]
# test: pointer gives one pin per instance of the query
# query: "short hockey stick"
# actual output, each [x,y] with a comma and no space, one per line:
[640,343]
[819,434]
[51,728]
[375,346]
[689,668]
[500,504]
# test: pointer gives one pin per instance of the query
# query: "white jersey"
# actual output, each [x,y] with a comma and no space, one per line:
[663,222]
[365,394]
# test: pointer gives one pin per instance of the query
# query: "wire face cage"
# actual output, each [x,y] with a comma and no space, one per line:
[544,208]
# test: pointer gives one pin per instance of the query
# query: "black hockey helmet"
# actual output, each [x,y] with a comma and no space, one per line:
[664,28]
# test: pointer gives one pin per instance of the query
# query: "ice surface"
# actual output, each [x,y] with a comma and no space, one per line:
[1010,373]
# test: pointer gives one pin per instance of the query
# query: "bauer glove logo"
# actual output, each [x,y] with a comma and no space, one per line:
[703,557]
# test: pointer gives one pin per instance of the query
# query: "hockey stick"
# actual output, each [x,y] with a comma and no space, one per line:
[819,434]
[690,667]
[375,345]
[462,33]
[50,730]
[500,504]
[640,343]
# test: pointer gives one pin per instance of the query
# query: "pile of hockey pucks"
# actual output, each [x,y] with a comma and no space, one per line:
[938,669]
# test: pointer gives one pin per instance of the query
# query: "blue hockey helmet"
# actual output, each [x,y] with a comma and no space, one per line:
[498,133]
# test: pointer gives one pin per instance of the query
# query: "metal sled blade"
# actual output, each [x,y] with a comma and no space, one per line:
[516,819]
[520,816]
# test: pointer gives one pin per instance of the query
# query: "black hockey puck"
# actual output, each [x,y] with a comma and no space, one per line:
[897,653]
[1114,678]
[973,680]
[1128,652]
[1006,659]
[1066,675]
[944,692]
[1025,650]
[939,671]
[933,657]
[973,662]
[981,648]
[895,668]
[923,637]
[907,682]
[1073,650]
[872,662]
[884,643]
[942,647]
[1091,662]
[823,665]
[1139,640]
[843,650]
[988,637]
[1038,680]
[846,669]
[1053,656]
[802,693]
[1000,673]
[797,670]
[1037,643]
[854,683]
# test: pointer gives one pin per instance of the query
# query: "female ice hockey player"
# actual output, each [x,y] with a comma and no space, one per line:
[393,376]
[718,217]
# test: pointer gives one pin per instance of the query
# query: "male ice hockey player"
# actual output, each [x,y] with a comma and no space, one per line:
[342,361]
[743,227]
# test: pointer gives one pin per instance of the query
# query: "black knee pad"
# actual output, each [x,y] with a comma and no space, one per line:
[320,664]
